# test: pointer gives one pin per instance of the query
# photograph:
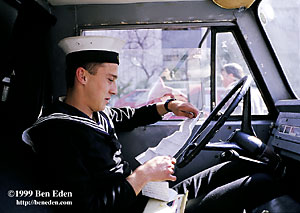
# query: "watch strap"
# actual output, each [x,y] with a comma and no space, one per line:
[167,102]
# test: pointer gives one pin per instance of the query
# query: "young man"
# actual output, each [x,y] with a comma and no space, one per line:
[231,73]
[76,141]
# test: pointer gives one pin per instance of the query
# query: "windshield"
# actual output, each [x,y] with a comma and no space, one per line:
[280,20]
[158,64]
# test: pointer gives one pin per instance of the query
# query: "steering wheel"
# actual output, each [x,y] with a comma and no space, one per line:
[193,149]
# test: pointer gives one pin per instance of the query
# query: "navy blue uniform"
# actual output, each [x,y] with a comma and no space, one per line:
[83,155]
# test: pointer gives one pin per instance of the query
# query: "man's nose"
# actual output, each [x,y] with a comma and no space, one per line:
[114,89]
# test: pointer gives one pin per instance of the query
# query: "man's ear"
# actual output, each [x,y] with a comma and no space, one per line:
[81,75]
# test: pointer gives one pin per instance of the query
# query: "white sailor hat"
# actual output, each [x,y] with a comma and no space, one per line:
[83,49]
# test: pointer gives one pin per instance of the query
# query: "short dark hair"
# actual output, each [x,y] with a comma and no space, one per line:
[235,69]
[71,72]
[87,59]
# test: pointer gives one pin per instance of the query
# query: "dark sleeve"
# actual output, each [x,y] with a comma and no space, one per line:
[127,118]
[80,161]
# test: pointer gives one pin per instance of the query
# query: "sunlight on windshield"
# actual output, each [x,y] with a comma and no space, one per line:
[280,20]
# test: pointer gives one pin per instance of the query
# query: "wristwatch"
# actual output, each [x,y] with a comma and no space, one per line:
[167,102]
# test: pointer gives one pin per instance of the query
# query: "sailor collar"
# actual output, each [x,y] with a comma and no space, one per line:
[102,122]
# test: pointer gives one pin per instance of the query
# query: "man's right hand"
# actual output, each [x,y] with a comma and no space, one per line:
[160,168]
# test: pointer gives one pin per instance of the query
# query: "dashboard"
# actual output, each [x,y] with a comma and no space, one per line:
[286,134]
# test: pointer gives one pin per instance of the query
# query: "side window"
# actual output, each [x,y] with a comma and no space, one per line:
[230,67]
[157,64]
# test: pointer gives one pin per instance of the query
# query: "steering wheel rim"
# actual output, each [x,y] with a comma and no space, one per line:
[192,150]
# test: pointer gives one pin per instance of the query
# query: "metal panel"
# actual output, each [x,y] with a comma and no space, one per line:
[64,27]
[73,2]
[152,13]
[265,61]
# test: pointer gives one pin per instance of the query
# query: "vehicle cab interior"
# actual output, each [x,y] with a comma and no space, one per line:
[236,61]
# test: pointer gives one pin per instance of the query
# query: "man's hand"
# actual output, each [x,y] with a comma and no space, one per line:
[179,108]
[186,109]
[160,168]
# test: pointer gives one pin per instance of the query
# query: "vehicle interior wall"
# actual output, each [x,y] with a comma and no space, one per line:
[7,18]
[25,38]
[26,66]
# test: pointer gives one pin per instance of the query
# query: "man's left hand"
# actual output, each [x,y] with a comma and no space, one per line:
[181,108]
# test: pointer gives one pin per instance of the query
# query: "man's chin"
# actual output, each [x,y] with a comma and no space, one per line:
[101,108]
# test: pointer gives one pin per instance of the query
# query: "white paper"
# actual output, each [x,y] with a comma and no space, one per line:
[160,191]
[170,145]
[157,206]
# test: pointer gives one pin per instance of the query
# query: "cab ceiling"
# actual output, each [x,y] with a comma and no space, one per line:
[78,2]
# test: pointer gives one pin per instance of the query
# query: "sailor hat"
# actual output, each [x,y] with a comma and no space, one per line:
[80,50]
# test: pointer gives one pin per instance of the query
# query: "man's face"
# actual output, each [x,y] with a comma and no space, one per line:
[227,79]
[101,86]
